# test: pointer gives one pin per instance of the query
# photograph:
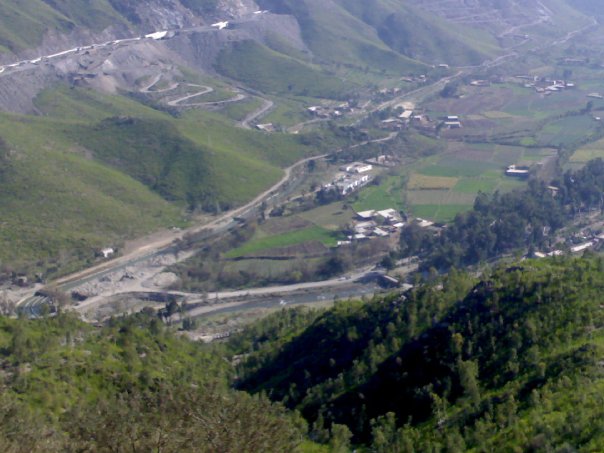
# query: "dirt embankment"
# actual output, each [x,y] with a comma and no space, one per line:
[201,49]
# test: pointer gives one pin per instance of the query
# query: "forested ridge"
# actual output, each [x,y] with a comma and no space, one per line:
[509,362]
[131,386]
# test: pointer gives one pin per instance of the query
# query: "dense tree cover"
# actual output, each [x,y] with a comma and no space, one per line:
[128,387]
[502,223]
[512,363]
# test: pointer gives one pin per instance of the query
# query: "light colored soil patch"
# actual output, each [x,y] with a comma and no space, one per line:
[331,217]
[279,225]
[588,152]
[423,182]
[440,197]
[496,115]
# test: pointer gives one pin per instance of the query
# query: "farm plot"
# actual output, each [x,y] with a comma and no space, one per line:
[440,197]
[533,105]
[389,194]
[424,182]
[439,213]
[588,152]
[458,175]
[264,243]
[569,131]
[474,101]
[457,168]
[331,217]
[280,225]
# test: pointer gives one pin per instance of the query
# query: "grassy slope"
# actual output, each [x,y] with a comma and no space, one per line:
[274,73]
[23,23]
[336,36]
[416,34]
[55,199]
[111,168]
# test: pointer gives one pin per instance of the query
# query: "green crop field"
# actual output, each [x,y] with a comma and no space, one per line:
[287,113]
[457,168]
[568,131]
[237,111]
[439,213]
[389,194]
[473,168]
[588,152]
[309,234]
[331,217]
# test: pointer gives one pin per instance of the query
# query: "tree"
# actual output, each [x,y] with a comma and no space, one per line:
[468,378]
[339,441]
[450,89]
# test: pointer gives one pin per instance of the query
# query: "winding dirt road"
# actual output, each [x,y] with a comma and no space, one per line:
[267,105]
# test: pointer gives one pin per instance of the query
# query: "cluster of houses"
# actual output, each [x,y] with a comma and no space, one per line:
[545,85]
[321,111]
[578,245]
[375,224]
[382,224]
[405,119]
[351,178]
[420,121]
[411,79]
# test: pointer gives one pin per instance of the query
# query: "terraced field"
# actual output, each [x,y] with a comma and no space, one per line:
[441,186]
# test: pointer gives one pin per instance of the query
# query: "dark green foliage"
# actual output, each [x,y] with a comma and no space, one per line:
[156,154]
[512,363]
[344,346]
[128,387]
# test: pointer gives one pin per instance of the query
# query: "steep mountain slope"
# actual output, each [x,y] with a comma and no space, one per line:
[453,32]
[130,386]
[24,24]
[27,23]
[513,362]
[97,169]
[336,36]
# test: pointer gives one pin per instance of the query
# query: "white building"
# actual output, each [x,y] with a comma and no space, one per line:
[107,252]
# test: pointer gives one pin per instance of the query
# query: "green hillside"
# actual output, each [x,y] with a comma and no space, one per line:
[96,169]
[416,34]
[274,73]
[383,34]
[23,23]
[337,36]
[509,363]
[128,387]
